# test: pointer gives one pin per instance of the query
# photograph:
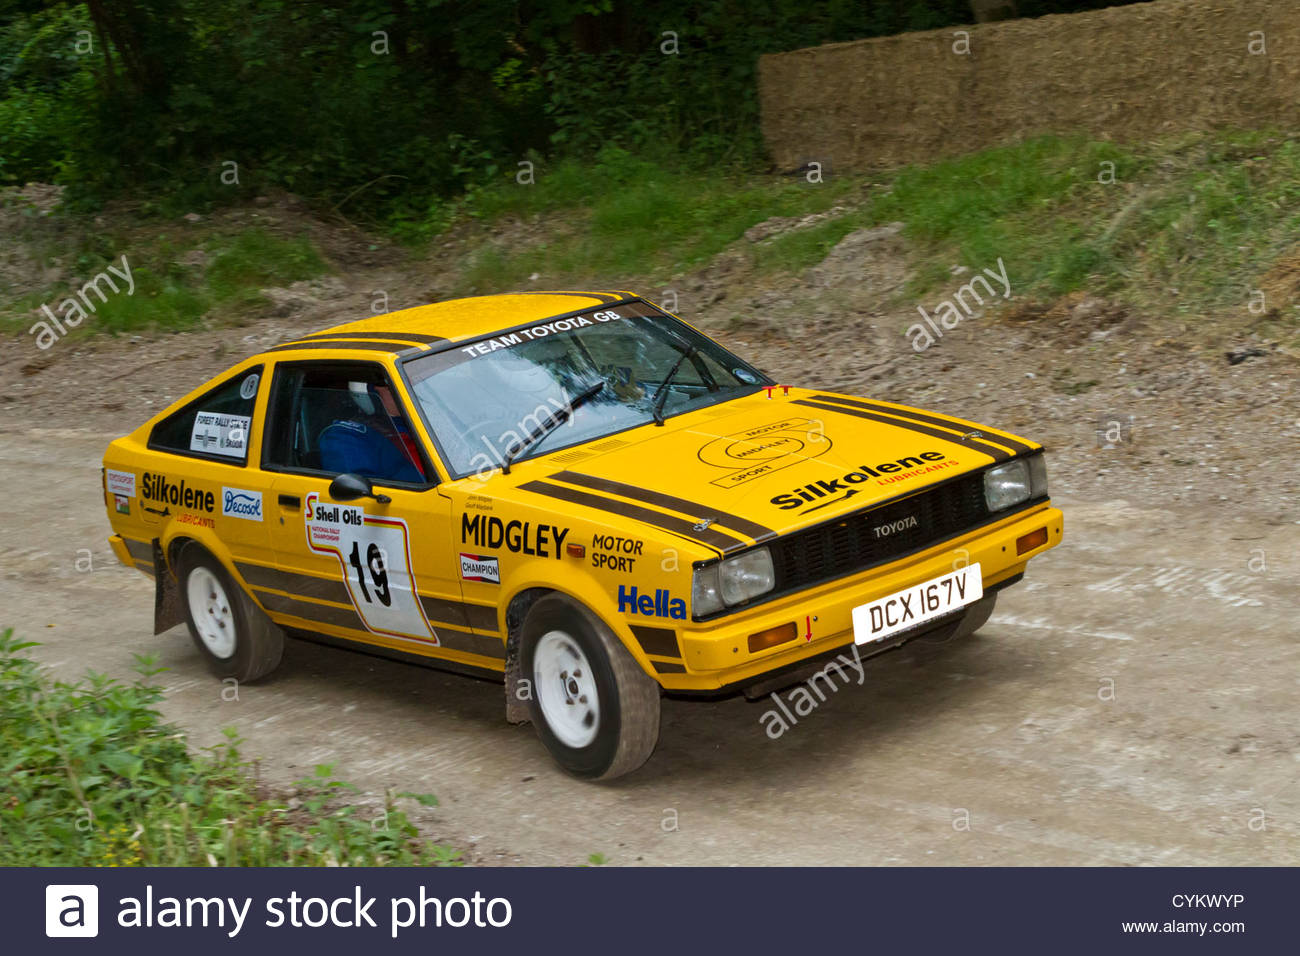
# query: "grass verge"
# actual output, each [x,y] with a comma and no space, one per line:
[621,217]
[177,284]
[94,777]
[1187,225]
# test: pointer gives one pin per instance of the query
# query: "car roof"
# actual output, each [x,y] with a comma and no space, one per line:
[427,326]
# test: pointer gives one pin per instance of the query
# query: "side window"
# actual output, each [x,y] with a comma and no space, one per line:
[341,417]
[216,425]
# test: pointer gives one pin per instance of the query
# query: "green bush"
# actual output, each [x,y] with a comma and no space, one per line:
[92,776]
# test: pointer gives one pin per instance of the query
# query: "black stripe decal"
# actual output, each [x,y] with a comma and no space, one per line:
[419,337]
[735,522]
[326,589]
[1019,447]
[481,617]
[449,638]
[603,297]
[456,613]
[320,613]
[997,454]
[471,643]
[715,539]
[661,641]
[665,667]
[140,550]
[392,347]
[477,616]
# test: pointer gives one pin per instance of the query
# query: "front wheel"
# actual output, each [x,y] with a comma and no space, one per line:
[594,708]
[232,633]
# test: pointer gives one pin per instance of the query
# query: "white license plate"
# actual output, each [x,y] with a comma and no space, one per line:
[922,602]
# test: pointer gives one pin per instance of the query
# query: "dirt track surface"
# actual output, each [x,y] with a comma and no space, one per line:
[1008,727]
[1133,701]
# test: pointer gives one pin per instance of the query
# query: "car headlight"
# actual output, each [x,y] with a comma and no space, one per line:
[733,581]
[706,592]
[1007,485]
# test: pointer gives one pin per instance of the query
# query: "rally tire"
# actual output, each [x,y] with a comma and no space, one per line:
[622,697]
[232,633]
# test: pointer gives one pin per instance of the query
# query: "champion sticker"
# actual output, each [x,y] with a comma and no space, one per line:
[480,567]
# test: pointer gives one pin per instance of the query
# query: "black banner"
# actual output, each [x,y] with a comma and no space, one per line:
[627,911]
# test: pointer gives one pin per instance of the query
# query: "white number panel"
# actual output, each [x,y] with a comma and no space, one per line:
[375,556]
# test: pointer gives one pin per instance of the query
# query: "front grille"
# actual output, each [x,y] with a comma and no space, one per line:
[849,545]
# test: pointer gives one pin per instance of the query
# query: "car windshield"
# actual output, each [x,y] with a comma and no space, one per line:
[482,399]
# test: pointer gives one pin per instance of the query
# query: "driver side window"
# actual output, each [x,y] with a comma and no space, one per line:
[342,417]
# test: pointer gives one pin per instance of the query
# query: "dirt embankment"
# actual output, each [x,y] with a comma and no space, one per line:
[1203,413]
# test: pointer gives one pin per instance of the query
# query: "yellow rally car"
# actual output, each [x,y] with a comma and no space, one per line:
[576,491]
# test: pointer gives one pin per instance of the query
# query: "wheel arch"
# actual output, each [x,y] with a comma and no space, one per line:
[524,597]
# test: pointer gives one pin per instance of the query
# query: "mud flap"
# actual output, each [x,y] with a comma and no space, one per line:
[167,608]
[518,691]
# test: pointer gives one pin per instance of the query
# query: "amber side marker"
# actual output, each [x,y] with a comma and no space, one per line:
[772,637]
[576,550]
[1035,539]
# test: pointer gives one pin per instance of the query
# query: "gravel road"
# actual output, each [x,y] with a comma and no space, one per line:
[1133,701]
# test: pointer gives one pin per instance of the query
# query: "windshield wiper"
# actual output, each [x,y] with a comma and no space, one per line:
[551,423]
[661,394]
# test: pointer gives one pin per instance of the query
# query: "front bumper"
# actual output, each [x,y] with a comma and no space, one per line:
[716,654]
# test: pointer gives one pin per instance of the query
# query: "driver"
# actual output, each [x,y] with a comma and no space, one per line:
[369,440]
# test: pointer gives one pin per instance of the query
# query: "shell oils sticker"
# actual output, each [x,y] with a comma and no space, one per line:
[375,556]
[761,450]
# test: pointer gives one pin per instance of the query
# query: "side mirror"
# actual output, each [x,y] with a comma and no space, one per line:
[349,487]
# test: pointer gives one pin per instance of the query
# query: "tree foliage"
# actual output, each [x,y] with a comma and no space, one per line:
[374,105]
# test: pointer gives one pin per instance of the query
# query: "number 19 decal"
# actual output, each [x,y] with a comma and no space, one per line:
[375,556]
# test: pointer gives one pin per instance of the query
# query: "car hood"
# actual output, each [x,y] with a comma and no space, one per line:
[759,466]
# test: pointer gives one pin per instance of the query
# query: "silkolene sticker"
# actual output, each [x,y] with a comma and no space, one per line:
[220,434]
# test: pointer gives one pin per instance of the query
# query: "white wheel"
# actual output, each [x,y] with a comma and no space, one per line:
[214,618]
[595,709]
[565,685]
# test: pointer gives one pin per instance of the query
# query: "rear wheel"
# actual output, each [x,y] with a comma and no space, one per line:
[594,708]
[233,634]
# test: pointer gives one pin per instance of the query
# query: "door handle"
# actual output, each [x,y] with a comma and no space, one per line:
[290,501]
